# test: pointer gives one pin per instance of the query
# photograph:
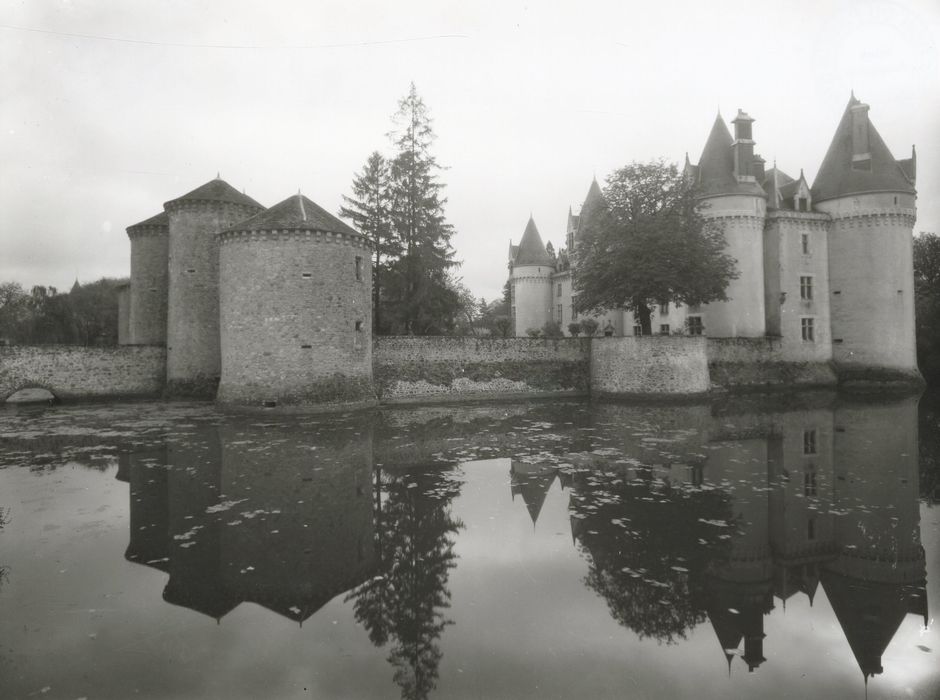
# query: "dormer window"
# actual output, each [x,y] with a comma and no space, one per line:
[802,204]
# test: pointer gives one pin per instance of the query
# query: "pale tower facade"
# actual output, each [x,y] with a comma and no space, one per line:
[531,269]
[728,176]
[193,352]
[147,300]
[295,288]
[871,200]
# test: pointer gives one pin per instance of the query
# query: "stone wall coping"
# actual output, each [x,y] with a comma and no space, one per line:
[147,230]
[234,235]
[182,204]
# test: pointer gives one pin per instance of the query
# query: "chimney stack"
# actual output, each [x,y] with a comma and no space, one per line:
[861,150]
[743,147]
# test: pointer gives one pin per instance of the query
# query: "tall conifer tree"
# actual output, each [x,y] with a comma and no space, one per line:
[369,211]
[425,304]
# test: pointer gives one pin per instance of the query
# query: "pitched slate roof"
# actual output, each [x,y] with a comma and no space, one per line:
[295,212]
[715,170]
[160,219]
[217,190]
[531,249]
[837,177]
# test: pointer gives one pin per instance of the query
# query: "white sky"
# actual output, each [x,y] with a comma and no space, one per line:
[529,101]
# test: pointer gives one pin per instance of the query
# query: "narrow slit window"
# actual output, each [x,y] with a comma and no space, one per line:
[804,239]
[811,529]
[359,267]
[306,275]
[809,442]
[359,325]
[306,347]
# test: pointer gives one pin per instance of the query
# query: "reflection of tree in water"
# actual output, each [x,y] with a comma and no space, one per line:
[4,519]
[645,542]
[405,604]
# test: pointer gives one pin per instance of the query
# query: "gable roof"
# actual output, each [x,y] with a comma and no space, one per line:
[217,190]
[295,212]
[837,177]
[531,249]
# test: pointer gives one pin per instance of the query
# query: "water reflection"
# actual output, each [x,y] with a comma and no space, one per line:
[688,520]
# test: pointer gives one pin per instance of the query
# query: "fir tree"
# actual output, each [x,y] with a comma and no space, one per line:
[369,211]
[423,301]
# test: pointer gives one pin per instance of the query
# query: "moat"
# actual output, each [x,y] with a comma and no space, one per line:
[774,548]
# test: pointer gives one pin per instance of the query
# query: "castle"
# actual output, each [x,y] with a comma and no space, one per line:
[254,305]
[827,269]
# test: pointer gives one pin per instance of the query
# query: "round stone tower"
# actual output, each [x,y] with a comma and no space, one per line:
[727,178]
[871,199]
[148,290]
[296,309]
[531,270]
[193,357]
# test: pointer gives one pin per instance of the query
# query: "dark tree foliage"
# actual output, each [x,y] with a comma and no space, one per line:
[420,300]
[927,304]
[405,605]
[88,315]
[647,243]
[643,546]
[369,210]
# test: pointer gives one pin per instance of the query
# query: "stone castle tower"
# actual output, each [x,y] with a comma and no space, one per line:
[192,335]
[148,295]
[295,291]
[531,269]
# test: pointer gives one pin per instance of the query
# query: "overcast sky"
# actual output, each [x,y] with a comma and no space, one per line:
[529,101]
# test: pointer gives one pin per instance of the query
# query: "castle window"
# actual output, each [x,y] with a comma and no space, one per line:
[664,329]
[811,529]
[805,241]
[306,347]
[809,482]
[806,288]
[664,308]
[359,326]
[558,290]
[802,204]
[191,270]
[306,275]
[809,442]
[808,330]
[638,329]
[559,312]
[695,325]
[359,268]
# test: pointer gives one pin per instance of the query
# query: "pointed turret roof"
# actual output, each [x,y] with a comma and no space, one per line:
[531,249]
[532,485]
[217,190]
[295,212]
[837,177]
[592,203]
[76,286]
[715,170]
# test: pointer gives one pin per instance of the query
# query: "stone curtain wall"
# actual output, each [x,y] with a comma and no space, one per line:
[769,362]
[651,365]
[443,368]
[76,372]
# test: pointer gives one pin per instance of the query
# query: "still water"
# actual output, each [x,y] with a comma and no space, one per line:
[773,549]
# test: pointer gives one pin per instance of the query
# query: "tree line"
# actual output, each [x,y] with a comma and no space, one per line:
[86,315]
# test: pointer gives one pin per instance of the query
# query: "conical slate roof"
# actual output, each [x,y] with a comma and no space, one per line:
[531,249]
[160,219]
[217,190]
[592,203]
[295,212]
[716,166]
[837,177]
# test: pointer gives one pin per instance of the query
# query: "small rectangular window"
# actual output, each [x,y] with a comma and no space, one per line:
[809,483]
[811,529]
[806,288]
[359,267]
[664,329]
[305,347]
[805,241]
[809,442]
[191,270]
[306,275]
[803,204]
[807,330]
[695,325]
[638,330]
[559,313]
[359,325]
[558,290]
[664,308]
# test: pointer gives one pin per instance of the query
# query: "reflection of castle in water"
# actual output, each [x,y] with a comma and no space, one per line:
[254,514]
[817,497]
